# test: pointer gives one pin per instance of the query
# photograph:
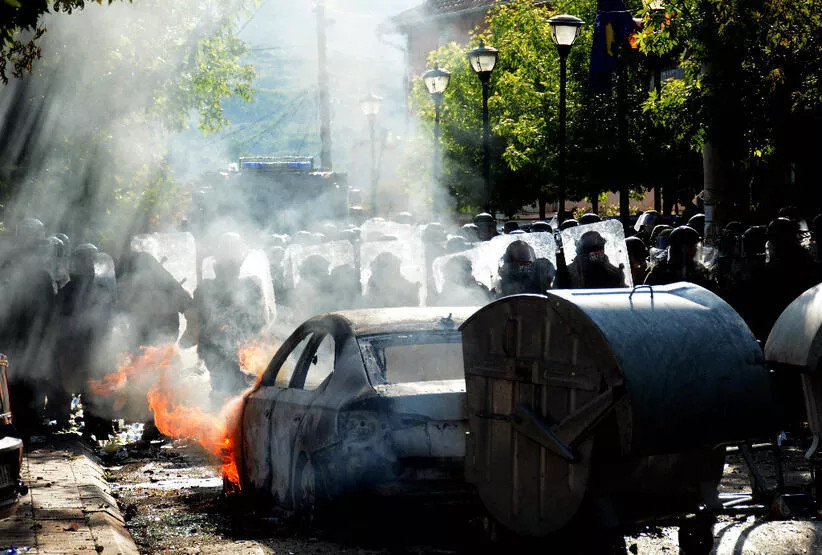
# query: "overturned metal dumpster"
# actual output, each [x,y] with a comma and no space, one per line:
[607,403]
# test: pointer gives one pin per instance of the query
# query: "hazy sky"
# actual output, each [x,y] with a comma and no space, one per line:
[283,41]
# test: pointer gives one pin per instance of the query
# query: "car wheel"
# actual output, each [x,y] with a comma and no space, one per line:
[304,490]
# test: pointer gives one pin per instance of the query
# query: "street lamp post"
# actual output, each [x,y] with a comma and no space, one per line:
[564,32]
[483,59]
[436,81]
[657,7]
[370,106]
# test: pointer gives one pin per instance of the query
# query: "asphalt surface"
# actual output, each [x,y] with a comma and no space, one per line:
[153,497]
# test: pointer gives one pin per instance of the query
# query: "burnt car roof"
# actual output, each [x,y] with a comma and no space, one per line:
[372,321]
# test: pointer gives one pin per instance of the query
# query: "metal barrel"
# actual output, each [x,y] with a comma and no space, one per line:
[581,393]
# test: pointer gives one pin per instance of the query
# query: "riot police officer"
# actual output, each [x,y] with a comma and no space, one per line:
[486,226]
[681,263]
[591,268]
[85,307]
[520,271]
[387,287]
[228,311]
[459,287]
[25,312]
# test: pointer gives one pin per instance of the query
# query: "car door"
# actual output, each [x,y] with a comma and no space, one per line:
[260,438]
[292,406]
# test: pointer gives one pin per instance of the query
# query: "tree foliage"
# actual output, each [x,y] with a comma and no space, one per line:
[607,145]
[752,84]
[25,16]
[147,69]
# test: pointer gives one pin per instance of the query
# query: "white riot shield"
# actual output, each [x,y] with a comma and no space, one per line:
[255,266]
[105,280]
[614,249]
[337,253]
[378,226]
[409,250]
[485,256]
[177,252]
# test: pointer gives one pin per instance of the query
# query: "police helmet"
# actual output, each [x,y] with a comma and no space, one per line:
[541,227]
[83,258]
[518,261]
[754,239]
[589,218]
[404,218]
[484,218]
[782,230]
[30,229]
[636,248]
[470,232]
[682,237]
[647,220]
[697,223]
[567,224]
[591,243]
[510,226]
[657,230]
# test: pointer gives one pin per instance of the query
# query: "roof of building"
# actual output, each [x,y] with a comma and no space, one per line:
[432,9]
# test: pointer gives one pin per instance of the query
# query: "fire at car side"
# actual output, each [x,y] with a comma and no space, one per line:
[347,435]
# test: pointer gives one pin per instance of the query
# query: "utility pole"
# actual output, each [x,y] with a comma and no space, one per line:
[622,138]
[325,103]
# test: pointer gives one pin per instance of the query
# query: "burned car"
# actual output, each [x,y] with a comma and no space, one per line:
[366,401]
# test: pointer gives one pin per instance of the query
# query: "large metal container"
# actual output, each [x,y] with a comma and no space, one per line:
[794,347]
[610,400]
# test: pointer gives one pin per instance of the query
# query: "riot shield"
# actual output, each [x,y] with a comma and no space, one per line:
[406,245]
[177,252]
[105,280]
[604,243]
[373,229]
[485,256]
[255,267]
[337,253]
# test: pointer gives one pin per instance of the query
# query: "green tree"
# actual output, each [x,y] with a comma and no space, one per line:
[147,69]
[607,146]
[19,17]
[752,87]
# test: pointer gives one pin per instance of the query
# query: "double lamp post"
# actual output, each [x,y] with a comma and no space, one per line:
[564,32]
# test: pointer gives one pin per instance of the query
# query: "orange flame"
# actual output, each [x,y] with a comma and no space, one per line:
[212,431]
[136,370]
[169,399]
[255,356]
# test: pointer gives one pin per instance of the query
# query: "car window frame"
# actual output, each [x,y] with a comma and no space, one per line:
[300,373]
[269,377]
[372,367]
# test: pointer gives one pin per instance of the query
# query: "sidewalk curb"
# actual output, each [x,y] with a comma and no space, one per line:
[69,507]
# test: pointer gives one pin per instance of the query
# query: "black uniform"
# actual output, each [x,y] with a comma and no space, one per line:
[230,312]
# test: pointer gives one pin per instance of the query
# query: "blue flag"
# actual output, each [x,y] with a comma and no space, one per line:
[614,24]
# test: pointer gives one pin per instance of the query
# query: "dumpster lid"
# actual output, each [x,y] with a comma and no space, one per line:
[796,338]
